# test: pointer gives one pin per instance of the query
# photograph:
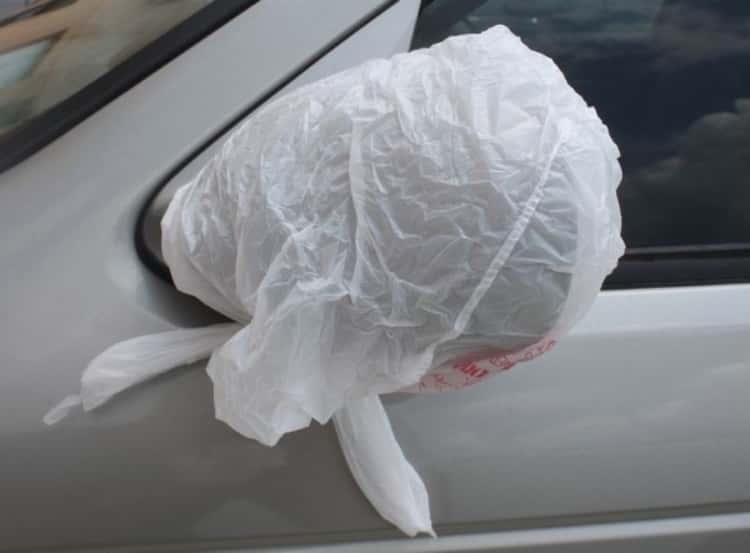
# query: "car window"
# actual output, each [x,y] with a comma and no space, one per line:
[670,78]
[53,50]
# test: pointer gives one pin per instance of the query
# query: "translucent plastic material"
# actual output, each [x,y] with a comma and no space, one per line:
[410,224]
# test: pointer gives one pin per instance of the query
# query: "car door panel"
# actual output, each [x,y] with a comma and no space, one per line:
[156,467]
[629,435]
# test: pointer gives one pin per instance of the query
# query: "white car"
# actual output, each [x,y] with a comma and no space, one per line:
[631,435]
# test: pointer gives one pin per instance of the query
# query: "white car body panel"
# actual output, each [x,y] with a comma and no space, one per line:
[630,435]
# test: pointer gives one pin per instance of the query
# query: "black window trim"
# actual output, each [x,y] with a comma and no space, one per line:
[665,266]
[42,129]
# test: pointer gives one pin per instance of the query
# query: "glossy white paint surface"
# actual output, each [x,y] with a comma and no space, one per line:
[708,534]
[155,468]
[643,407]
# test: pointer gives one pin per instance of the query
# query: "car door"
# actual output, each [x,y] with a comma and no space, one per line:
[161,472]
[640,414]
[628,436]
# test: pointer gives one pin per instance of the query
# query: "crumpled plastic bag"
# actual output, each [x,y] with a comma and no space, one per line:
[415,224]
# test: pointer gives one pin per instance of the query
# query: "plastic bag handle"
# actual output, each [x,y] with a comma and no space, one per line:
[139,359]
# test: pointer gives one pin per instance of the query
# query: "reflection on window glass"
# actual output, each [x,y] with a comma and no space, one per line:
[16,64]
[51,49]
[670,78]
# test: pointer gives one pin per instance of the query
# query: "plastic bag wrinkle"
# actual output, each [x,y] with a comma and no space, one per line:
[420,223]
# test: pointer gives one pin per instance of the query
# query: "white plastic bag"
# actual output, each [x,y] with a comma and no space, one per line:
[410,224]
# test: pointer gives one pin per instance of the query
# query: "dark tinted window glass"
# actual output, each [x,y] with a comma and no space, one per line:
[670,78]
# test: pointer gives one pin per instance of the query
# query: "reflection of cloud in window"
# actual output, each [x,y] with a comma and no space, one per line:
[691,32]
[574,30]
[556,27]
[702,191]
[653,69]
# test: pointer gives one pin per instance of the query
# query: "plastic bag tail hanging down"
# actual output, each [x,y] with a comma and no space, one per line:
[133,361]
[380,468]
